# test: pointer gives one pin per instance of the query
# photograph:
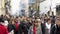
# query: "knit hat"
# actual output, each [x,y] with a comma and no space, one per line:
[1,20]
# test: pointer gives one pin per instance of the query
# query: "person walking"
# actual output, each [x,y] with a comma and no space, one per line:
[56,28]
[3,29]
[36,28]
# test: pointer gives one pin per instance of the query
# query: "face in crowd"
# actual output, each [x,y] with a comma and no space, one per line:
[37,22]
[48,20]
[58,22]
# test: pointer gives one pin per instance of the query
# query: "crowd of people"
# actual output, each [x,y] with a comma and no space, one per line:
[29,25]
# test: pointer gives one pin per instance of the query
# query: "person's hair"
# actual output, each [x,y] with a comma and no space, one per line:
[2,15]
[11,21]
[37,20]
[5,17]
[48,19]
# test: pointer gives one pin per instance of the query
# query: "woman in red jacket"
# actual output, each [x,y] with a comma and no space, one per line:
[3,29]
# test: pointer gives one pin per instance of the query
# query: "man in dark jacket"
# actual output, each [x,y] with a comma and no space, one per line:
[56,28]
[23,28]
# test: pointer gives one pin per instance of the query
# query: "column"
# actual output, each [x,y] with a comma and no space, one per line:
[3,7]
[0,6]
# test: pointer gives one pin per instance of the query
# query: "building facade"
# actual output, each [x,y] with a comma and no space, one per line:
[23,7]
[2,7]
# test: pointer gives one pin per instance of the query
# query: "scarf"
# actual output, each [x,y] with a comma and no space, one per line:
[34,30]
[16,26]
